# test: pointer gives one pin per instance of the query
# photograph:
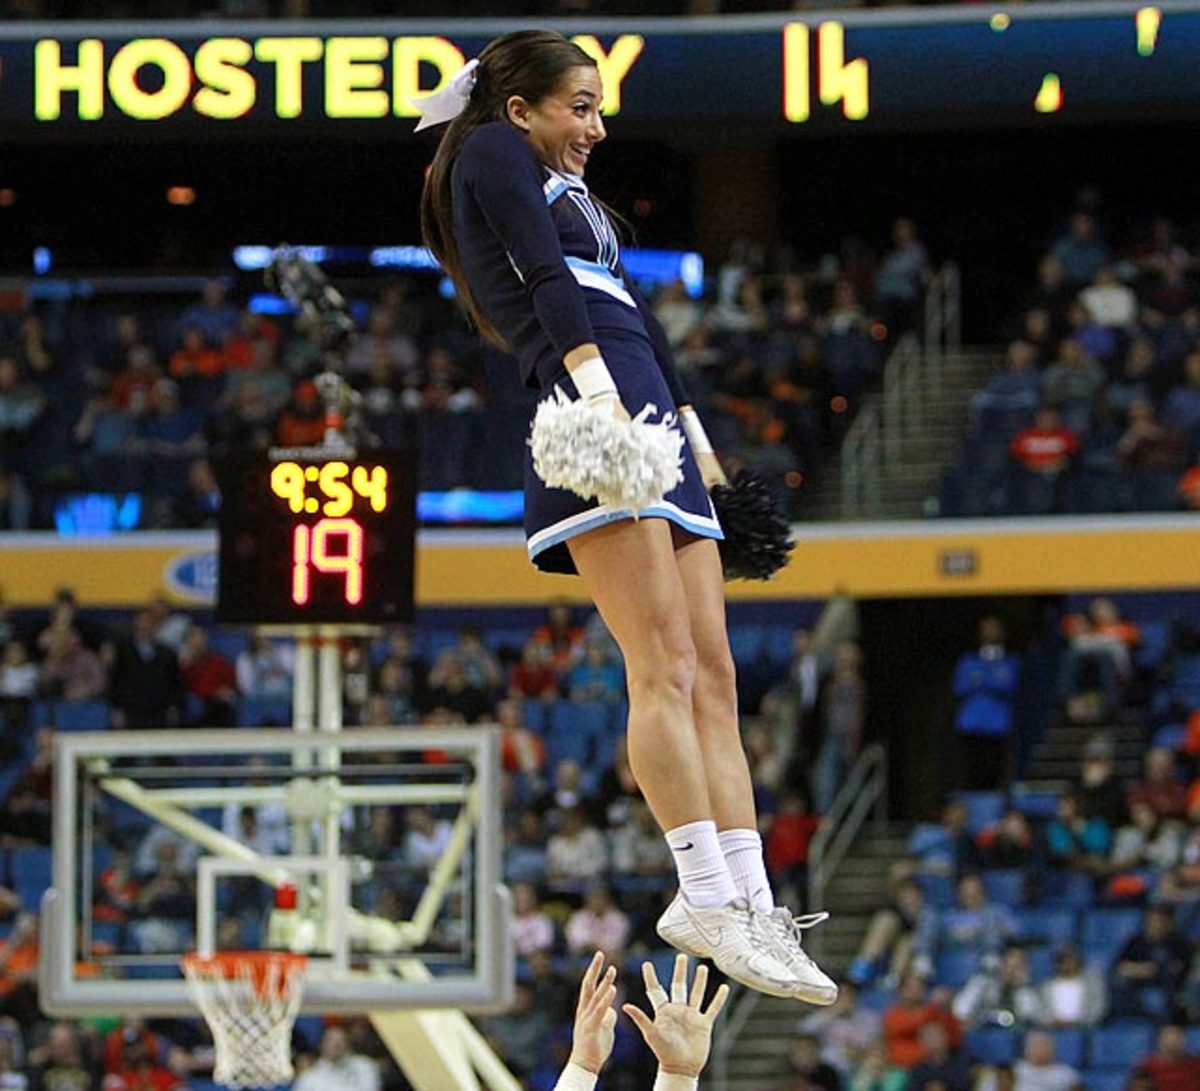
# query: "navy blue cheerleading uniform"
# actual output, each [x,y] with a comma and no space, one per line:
[544,264]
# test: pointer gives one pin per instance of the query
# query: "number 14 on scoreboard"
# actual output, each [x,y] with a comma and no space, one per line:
[838,80]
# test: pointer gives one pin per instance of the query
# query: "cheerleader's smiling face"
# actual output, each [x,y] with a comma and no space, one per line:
[564,126]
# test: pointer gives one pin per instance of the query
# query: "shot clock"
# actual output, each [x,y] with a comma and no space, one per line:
[314,536]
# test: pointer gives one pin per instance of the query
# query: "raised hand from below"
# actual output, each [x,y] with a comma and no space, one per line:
[680,1033]
[595,1016]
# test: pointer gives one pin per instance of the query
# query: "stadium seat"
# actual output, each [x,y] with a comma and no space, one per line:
[983,808]
[1192,1036]
[1120,1044]
[585,717]
[1095,1079]
[1105,931]
[938,890]
[1154,644]
[1005,886]
[991,1045]
[1171,736]
[264,711]
[1041,963]
[1069,1046]
[955,965]
[81,715]
[1067,890]
[1052,926]
[745,642]
[535,713]
[1035,803]
[31,867]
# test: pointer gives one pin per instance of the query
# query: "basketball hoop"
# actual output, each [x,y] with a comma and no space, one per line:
[250,1000]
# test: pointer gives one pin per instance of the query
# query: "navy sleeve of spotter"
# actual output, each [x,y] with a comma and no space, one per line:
[501,173]
[658,338]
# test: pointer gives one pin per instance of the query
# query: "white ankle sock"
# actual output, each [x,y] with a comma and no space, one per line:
[743,851]
[704,876]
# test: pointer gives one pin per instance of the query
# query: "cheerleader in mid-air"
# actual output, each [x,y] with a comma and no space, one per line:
[537,267]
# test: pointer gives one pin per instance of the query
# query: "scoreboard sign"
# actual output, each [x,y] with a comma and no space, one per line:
[313,537]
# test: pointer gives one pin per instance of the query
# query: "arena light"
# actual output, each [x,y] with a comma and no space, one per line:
[181,196]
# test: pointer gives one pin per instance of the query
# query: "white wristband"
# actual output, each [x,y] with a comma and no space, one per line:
[574,1078]
[694,430]
[674,1081]
[592,379]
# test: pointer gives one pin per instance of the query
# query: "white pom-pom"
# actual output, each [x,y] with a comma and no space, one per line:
[626,464]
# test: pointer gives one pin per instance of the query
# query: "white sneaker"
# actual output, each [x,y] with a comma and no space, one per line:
[734,938]
[812,984]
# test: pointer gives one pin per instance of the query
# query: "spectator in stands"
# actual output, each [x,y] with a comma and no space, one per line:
[18,971]
[903,1020]
[166,905]
[71,671]
[1075,841]
[1001,995]
[1189,487]
[786,844]
[21,405]
[1007,843]
[195,360]
[843,714]
[116,890]
[560,637]
[985,681]
[946,848]
[199,503]
[425,837]
[878,1073]
[637,845]
[212,314]
[525,849]
[973,923]
[1181,409]
[264,669]
[598,925]
[451,688]
[576,853]
[1148,842]
[1182,882]
[60,1064]
[1038,1070]
[12,1076]
[808,1069]
[394,685]
[1109,302]
[1171,1066]
[1074,995]
[15,503]
[147,689]
[596,677]
[901,277]
[940,1065]
[741,311]
[532,676]
[1080,251]
[519,1035]
[1156,959]
[890,935]
[1097,662]
[618,789]
[19,678]
[532,930]
[1161,787]
[1098,788]
[845,1030]
[169,430]
[1097,341]
[677,312]
[338,1068]
[1073,384]
[302,420]
[1133,383]
[1043,454]
[139,1070]
[209,677]
[1016,387]
[522,751]
[1152,455]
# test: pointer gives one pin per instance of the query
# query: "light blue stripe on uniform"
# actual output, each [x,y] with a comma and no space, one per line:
[601,518]
[554,189]
[592,274]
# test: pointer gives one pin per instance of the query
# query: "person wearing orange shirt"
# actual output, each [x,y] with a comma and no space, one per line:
[18,971]
[902,1023]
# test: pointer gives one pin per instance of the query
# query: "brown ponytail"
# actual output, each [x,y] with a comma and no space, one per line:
[529,63]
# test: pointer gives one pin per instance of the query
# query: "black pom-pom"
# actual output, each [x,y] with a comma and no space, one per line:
[757,535]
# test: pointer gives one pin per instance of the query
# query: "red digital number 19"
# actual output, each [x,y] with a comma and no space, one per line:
[311,549]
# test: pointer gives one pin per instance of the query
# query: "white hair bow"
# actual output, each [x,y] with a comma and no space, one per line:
[446,104]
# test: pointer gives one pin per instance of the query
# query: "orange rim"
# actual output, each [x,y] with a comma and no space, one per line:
[257,965]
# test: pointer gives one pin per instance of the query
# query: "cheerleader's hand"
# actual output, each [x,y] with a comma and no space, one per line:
[595,1016]
[680,1033]
[610,405]
[710,469]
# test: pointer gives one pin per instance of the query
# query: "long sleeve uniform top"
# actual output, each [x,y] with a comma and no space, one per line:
[541,257]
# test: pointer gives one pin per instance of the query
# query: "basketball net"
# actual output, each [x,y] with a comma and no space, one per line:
[250,1000]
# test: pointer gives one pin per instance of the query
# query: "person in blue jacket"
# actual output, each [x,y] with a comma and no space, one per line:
[536,263]
[986,682]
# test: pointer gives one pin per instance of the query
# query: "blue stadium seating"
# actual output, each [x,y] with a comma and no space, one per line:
[535,713]
[1105,931]
[938,890]
[1041,963]
[983,808]
[1005,886]
[1066,890]
[1171,736]
[264,711]
[1100,1080]
[1053,926]
[1120,1044]
[31,867]
[1069,1046]
[81,715]
[991,1045]
[955,965]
